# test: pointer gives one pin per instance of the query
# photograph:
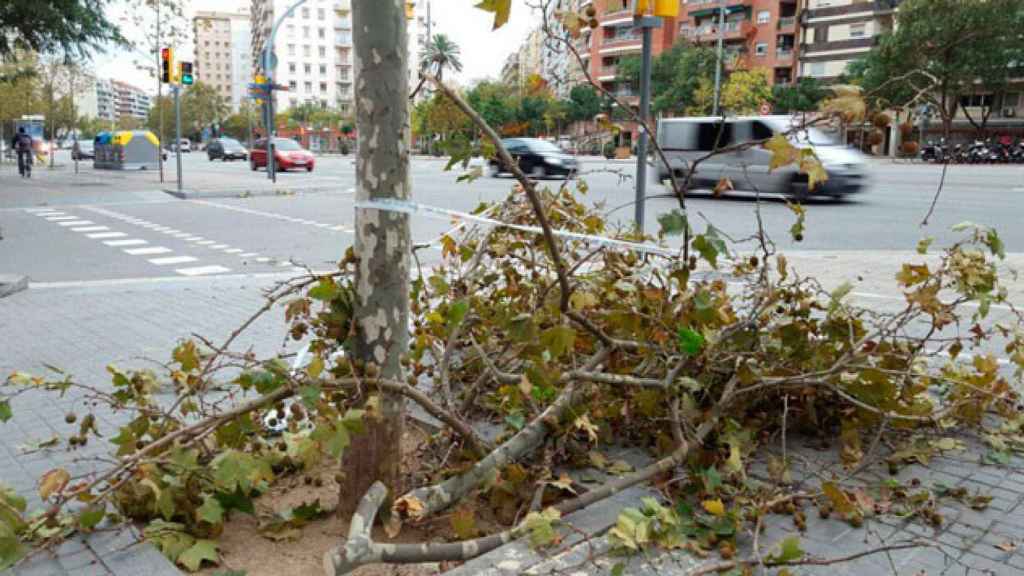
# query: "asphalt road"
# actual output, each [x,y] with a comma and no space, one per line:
[103,225]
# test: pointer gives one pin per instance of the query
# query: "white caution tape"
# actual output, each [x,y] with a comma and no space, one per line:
[409,207]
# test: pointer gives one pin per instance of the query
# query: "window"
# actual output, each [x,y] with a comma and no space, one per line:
[292,85]
[321,33]
[817,68]
[323,86]
[307,87]
[764,16]
[761,48]
[291,31]
[305,13]
[323,52]
[857,30]
[760,131]
[307,68]
[712,135]
[291,49]
[305,50]
[305,31]
[323,69]
[320,13]
[976,100]
[291,67]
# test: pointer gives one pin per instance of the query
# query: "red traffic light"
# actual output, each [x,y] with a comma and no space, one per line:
[165,53]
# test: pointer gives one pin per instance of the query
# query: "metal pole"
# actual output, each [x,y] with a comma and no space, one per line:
[718,58]
[268,48]
[74,113]
[177,130]
[159,95]
[645,109]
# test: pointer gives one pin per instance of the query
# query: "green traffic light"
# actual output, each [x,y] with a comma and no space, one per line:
[186,79]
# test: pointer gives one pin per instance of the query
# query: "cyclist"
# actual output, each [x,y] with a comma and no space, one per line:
[22,144]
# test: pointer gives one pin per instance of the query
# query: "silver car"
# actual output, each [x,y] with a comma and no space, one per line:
[685,140]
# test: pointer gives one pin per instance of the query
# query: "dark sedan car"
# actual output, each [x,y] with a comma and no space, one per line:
[538,158]
[226,149]
[83,150]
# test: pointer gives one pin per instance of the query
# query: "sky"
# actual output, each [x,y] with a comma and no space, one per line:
[483,50]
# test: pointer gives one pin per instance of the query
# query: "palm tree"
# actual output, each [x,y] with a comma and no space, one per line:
[441,53]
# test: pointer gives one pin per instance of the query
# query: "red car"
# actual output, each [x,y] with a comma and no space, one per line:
[287,155]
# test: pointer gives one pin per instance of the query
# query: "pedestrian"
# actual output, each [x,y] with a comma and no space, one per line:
[22,144]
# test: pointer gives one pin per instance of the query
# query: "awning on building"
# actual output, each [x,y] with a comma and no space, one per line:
[714,10]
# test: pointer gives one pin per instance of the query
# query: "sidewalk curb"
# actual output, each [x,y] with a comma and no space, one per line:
[12,283]
[187,194]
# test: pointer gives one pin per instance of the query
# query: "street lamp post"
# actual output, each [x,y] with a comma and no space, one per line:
[268,68]
[718,57]
[646,24]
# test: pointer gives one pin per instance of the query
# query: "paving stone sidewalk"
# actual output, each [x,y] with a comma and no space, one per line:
[82,327]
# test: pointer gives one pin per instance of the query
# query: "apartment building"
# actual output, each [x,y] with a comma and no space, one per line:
[834,33]
[313,50]
[130,101]
[616,38]
[756,33]
[98,101]
[223,55]
[417,15]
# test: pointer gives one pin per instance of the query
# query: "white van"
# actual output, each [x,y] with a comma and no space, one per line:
[685,140]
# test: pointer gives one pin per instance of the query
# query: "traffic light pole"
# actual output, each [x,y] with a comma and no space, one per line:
[268,69]
[177,130]
[159,95]
[646,24]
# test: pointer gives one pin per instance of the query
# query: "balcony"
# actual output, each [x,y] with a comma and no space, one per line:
[606,73]
[622,44]
[783,57]
[616,17]
[787,24]
[735,30]
[699,8]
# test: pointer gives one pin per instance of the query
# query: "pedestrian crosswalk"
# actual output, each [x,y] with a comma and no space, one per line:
[187,253]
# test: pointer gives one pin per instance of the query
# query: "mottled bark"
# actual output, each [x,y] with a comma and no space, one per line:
[382,238]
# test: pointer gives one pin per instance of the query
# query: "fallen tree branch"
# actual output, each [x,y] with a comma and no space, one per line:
[730,564]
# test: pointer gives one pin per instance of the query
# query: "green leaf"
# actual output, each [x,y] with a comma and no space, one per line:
[690,341]
[673,223]
[239,470]
[307,511]
[5,410]
[457,312]
[797,229]
[558,340]
[838,294]
[310,395]
[924,243]
[211,511]
[315,367]
[193,558]
[501,9]
[619,569]
[710,245]
[236,500]
[90,517]
[186,355]
[333,437]
[789,551]
[541,527]
[325,290]
[995,243]
[11,549]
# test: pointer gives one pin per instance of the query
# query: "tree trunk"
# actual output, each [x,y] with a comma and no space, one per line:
[382,238]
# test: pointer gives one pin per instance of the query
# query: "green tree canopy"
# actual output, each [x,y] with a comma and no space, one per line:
[69,27]
[803,96]
[584,103]
[745,91]
[941,50]
[675,76]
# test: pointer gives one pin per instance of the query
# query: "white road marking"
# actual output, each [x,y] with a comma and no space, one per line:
[76,223]
[181,235]
[267,214]
[193,238]
[129,242]
[202,270]
[60,218]
[170,231]
[248,254]
[233,251]
[172,260]
[220,246]
[147,250]
[90,229]
[285,263]
[101,235]
[323,225]
[33,210]
[263,259]
[206,242]
[339,228]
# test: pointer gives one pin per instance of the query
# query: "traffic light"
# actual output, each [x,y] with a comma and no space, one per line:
[166,65]
[185,73]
